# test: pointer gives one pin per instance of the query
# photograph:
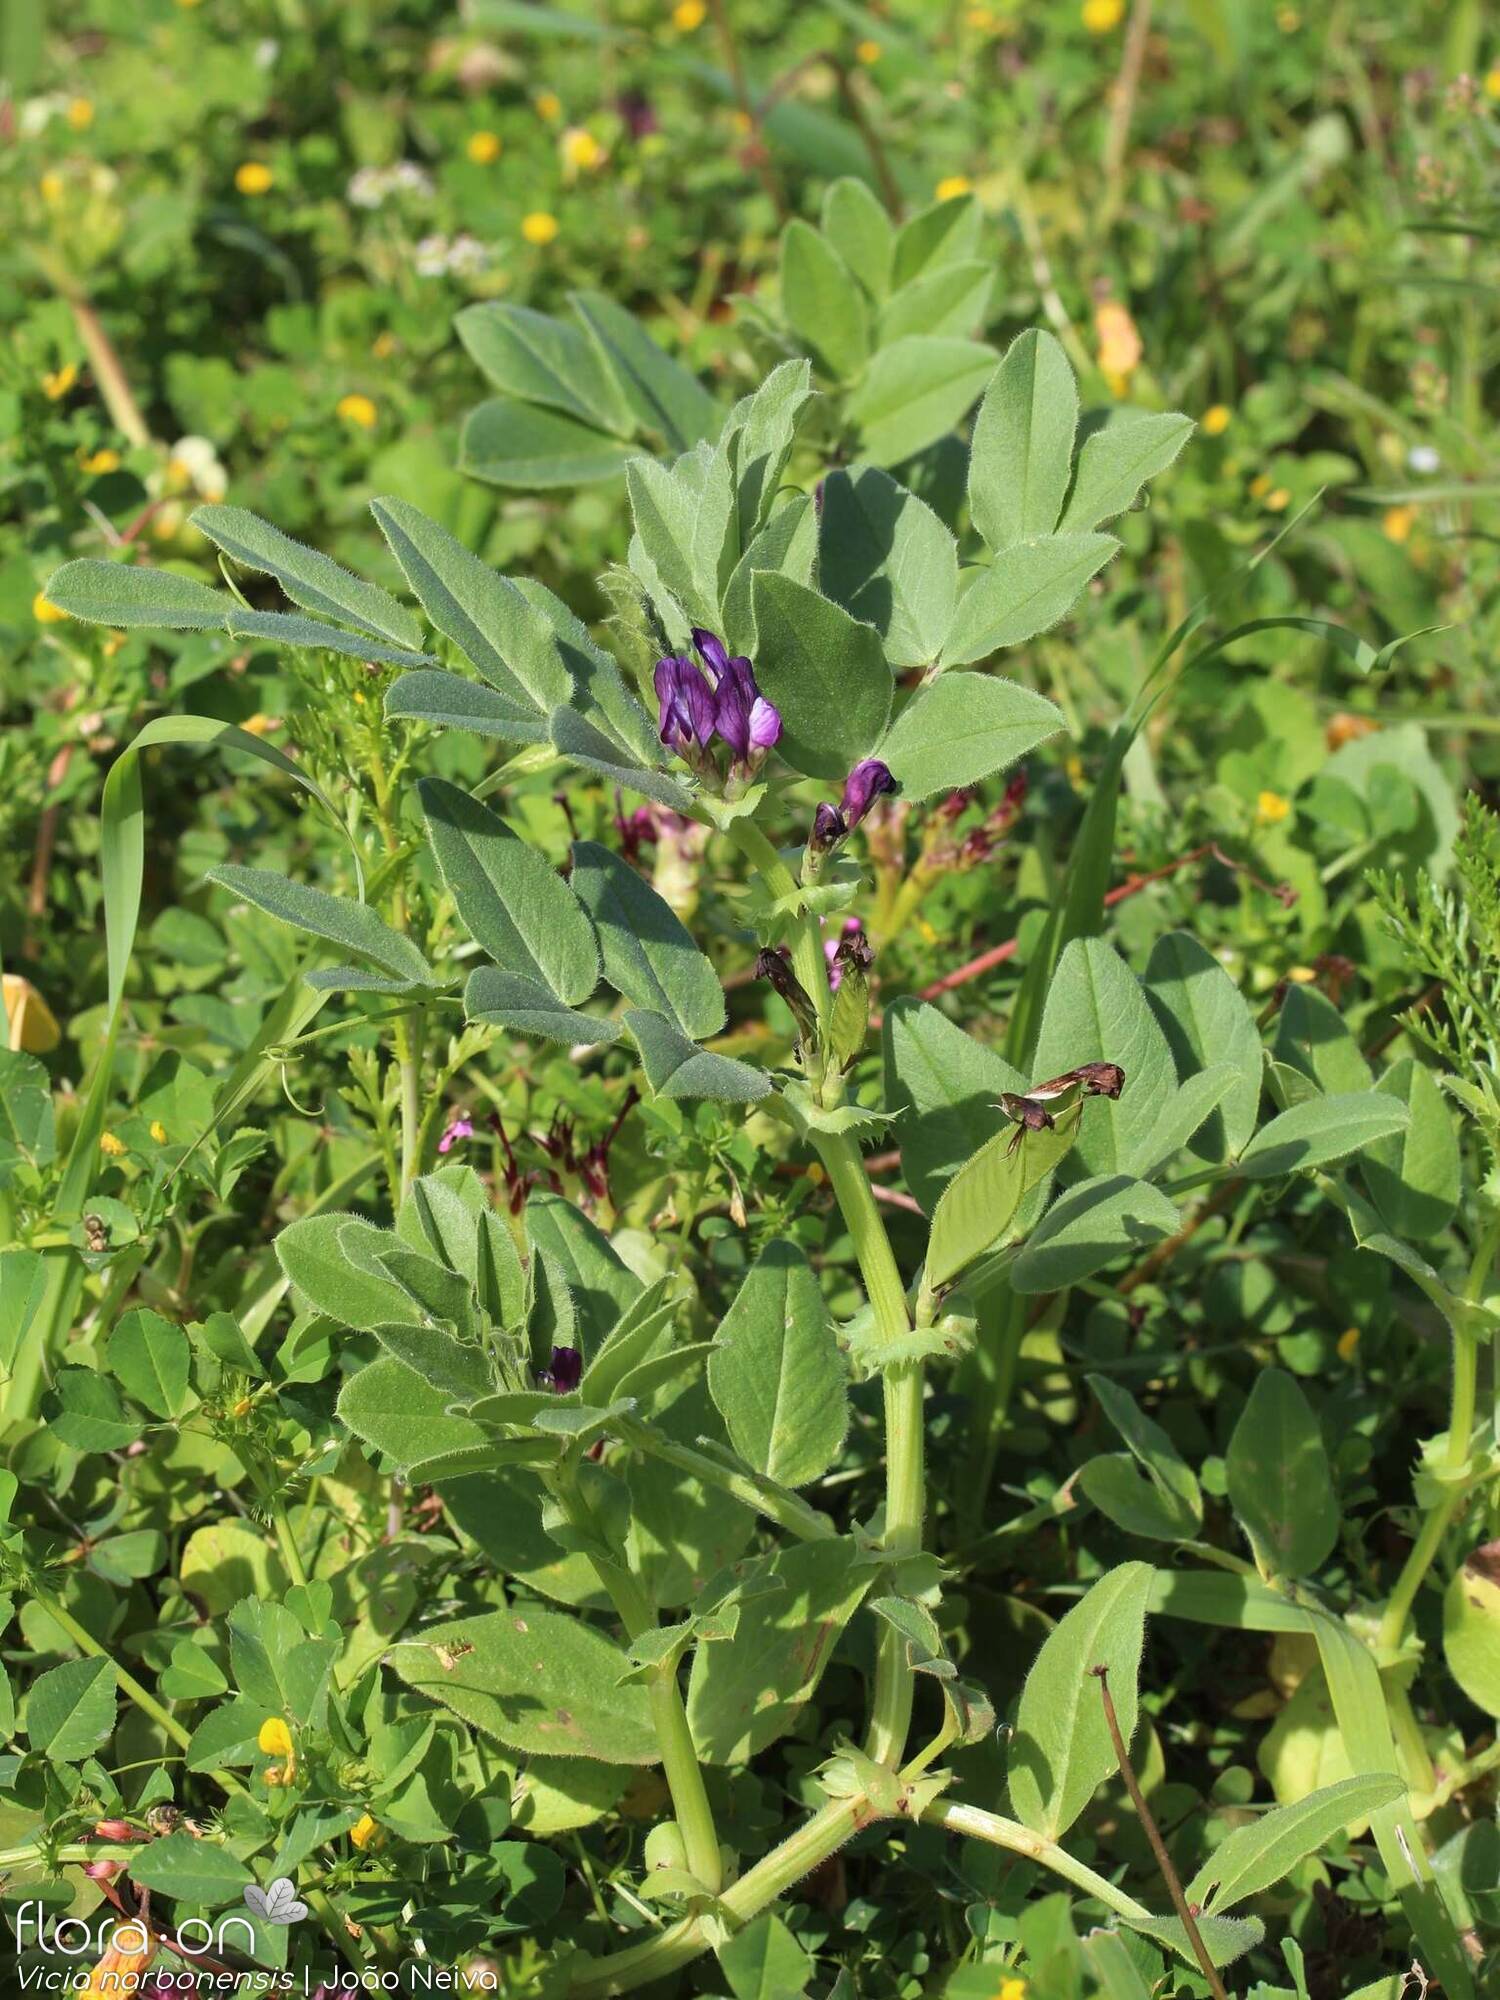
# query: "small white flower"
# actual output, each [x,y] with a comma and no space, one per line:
[467,256]
[1424,458]
[367,189]
[266,52]
[431,256]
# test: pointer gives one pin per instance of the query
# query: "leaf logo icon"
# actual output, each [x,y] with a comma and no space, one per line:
[278,1904]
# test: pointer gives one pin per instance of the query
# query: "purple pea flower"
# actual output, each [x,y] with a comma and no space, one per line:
[864,785]
[460,1126]
[828,829]
[567,1369]
[687,704]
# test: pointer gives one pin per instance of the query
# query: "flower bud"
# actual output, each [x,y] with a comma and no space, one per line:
[772,966]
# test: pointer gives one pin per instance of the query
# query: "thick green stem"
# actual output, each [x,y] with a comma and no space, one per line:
[977,1824]
[131,1688]
[286,1541]
[408,1036]
[905,1483]
[780,1870]
[679,1756]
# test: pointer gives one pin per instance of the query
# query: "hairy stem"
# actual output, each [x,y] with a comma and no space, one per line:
[977,1824]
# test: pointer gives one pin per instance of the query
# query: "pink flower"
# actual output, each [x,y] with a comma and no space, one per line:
[460,1126]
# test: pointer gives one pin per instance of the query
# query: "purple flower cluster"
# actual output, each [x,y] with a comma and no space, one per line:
[868,781]
[718,700]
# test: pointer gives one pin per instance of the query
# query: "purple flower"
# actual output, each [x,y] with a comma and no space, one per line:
[460,1126]
[566,1371]
[687,703]
[828,829]
[863,786]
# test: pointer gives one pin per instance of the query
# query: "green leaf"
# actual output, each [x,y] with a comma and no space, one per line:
[687,522]
[1027,588]
[1096,1012]
[514,903]
[537,1681]
[764,1961]
[1090,1226]
[950,300]
[1207,1022]
[1224,1938]
[661,393]
[946,1087]
[538,359]
[190,1870]
[1471,1627]
[1415,1179]
[1022,455]
[512,1000]
[285,628]
[509,443]
[792,1607]
[649,955]
[677,1067]
[1163,1499]
[1279,1481]
[1323,1129]
[403,1415]
[888,560]
[775,1371]
[577,739]
[84,1413]
[27,1129]
[309,578]
[150,1357]
[962,728]
[330,1258]
[824,306]
[1185,1112]
[914,392]
[601,1282]
[758,436]
[1311,1036]
[354,926]
[71,1709]
[825,672]
[1116,459]
[788,544]
[858,227]
[947,232]
[126,594]
[1061,1750]
[981,1202]
[1255,1857]
[487,618]
[448,701]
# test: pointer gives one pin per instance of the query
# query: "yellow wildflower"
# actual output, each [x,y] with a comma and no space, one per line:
[742,122]
[111,1145]
[383,346]
[548,105]
[951,186]
[1260,485]
[29,1021]
[1348,1343]
[1492,81]
[45,612]
[1216,420]
[1302,975]
[59,381]
[52,187]
[539,227]
[158,1132]
[1398,523]
[357,409]
[188,5]
[688,14]
[868,52]
[96,462]
[1271,808]
[80,114]
[1120,347]
[483,148]
[816,1174]
[260,725]
[363,1831]
[1012,1989]
[274,1737]
[1288,20]
[253,177]
[1100,17]
[581,149]
[113,641]
[1278,499]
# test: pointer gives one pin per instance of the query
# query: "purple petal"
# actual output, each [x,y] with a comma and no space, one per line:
[864,784]
[765,724]
[566,1369]
[714,653]
[732,717]
[828,828]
